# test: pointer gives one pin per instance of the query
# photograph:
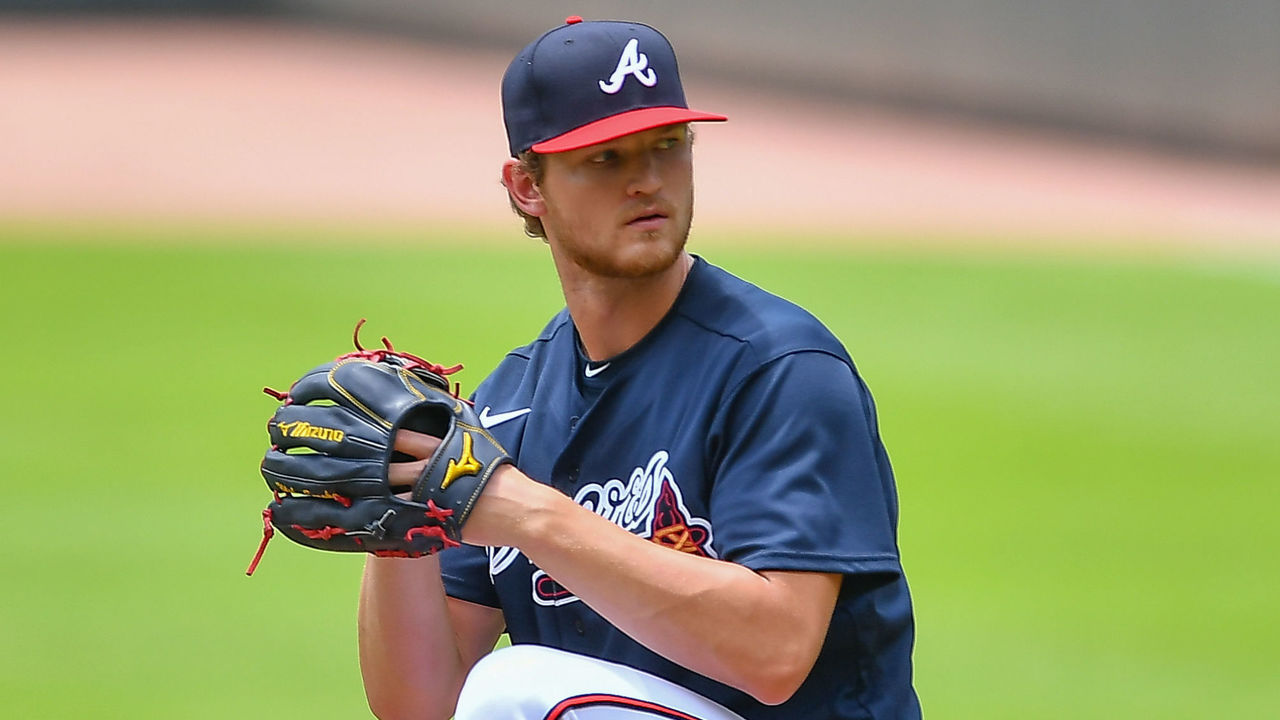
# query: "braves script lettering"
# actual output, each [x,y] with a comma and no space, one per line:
[633,504]
[629,504]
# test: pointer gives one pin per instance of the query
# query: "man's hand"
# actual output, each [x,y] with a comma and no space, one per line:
[345,479]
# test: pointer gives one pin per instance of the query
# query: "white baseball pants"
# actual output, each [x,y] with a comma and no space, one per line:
[533,682]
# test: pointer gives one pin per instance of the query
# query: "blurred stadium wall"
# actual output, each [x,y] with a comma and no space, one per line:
[1189,74]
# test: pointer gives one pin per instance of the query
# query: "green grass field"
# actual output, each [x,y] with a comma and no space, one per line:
[1086,453]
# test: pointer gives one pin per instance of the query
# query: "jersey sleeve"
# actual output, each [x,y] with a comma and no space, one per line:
[465,571]
[802,481]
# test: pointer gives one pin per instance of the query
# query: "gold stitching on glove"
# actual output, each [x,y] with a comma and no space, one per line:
[405,377]
[349,396]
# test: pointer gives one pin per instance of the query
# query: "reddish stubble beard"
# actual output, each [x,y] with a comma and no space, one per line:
[627,256]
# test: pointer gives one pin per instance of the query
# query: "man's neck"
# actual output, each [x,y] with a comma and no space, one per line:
[613,314]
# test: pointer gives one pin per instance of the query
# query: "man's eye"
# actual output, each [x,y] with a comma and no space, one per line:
[668,143]
[604,157]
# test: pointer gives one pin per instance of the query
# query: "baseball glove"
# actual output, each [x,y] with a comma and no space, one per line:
[332,444]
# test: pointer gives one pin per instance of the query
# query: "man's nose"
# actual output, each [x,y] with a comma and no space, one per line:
[645,176]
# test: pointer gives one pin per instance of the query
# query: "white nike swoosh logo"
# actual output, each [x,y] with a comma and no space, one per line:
[487,421]
[592,372]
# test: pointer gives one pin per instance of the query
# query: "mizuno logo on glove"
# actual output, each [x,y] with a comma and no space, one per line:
[465,465]
[303,429]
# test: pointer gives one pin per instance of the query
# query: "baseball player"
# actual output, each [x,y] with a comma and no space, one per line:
[697,518]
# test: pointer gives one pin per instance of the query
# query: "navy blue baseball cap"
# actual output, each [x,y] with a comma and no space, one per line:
[583,83]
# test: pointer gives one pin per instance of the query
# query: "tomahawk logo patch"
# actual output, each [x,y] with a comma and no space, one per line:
[633,63]
[674,528]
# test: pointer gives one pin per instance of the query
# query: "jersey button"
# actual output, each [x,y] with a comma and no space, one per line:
[573,422]
[579,627]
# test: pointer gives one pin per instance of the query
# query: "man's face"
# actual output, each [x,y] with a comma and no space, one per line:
[621,208]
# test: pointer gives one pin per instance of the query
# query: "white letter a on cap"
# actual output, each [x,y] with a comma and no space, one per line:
[632,62]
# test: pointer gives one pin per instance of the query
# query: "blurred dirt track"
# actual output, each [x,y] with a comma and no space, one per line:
[186,119]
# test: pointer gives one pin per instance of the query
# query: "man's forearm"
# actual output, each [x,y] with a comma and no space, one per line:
[758,632]
[409,655]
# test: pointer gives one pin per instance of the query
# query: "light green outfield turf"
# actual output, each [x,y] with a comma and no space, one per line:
[1086,453]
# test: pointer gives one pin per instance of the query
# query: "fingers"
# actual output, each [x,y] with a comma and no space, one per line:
[402,476]
[416,444]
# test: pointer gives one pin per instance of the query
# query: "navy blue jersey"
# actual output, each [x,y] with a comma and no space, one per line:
[739,429]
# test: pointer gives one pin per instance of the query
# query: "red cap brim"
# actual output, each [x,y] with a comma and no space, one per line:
[621,124]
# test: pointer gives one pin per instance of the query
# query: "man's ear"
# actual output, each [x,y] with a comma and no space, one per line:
[524,191]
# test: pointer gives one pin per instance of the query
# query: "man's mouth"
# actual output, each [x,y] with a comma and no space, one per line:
[648,220]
